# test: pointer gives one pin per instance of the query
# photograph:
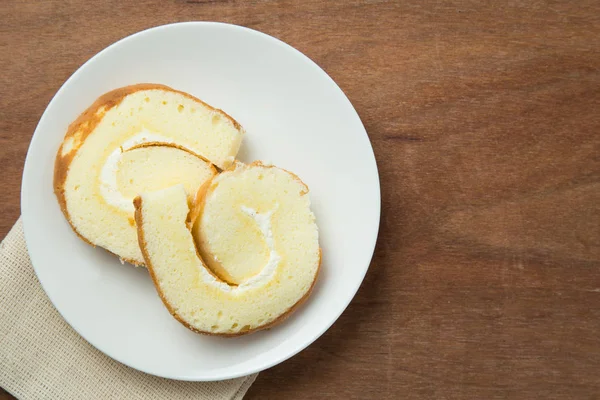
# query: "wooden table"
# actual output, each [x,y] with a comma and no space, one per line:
[485,121]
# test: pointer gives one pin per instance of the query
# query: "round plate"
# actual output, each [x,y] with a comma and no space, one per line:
[295,116]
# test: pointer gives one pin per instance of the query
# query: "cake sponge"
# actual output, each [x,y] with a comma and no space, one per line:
[134,139]
[262,212]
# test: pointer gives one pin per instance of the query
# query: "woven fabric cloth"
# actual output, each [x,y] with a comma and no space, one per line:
[42,357]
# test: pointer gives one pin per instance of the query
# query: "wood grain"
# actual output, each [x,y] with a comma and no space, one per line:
[485,121]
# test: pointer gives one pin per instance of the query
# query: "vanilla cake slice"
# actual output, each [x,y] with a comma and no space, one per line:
[258,237]
[135,139]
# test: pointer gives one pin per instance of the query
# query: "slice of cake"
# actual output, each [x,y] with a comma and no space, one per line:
[257,230]
[101,165]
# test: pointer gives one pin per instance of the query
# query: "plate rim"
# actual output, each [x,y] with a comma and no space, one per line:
[28,223]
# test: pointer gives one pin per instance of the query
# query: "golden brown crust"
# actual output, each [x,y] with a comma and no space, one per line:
[198,206]
[259,163]
[87,122]
[173,145]
[196,213]
[137,202]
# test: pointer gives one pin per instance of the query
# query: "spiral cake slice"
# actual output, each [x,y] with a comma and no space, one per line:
[261,213]
[137,138]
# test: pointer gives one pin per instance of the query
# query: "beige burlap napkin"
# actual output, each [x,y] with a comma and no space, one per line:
[41,357]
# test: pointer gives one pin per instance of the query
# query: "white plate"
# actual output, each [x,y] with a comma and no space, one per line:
[295,116]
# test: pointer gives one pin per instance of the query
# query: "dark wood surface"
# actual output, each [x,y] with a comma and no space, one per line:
[485,121]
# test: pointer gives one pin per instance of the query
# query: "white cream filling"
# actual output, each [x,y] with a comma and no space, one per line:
[108,174]
[266,274]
